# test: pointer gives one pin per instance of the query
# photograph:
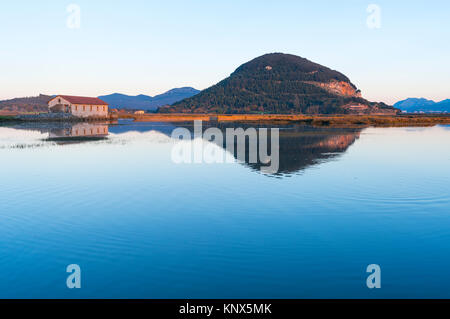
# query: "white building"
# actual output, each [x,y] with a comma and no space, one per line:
[79,106]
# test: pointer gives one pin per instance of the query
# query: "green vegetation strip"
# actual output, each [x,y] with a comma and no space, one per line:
[6,118]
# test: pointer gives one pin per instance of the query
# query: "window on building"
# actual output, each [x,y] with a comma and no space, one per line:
[91,108]
[76,107]
[84,107]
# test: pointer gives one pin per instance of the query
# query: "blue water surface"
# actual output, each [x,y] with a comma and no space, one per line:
[141,226]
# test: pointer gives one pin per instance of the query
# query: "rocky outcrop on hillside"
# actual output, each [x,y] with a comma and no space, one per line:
[338,88]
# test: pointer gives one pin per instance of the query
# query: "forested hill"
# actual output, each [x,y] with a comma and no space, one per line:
[280,83]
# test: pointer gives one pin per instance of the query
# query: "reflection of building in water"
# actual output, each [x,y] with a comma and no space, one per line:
[80,130]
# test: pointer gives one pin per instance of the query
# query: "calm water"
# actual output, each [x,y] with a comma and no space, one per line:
[141,226]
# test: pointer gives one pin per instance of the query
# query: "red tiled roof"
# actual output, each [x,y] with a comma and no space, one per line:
[81,100]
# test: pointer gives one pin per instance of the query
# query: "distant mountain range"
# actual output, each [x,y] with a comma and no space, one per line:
[413,105]
[279,83]
[145,102]
[116,100]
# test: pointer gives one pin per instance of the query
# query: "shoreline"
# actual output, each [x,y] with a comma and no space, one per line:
[48,117]
[316,120]
[280,119]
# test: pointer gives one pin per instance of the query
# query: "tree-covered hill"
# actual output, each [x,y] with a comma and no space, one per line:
[279,83]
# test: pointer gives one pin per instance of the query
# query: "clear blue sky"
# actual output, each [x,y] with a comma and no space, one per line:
[148,47]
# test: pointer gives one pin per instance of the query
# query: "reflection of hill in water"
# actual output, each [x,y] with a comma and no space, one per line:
[299,150]
[125,126]
[302,146]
